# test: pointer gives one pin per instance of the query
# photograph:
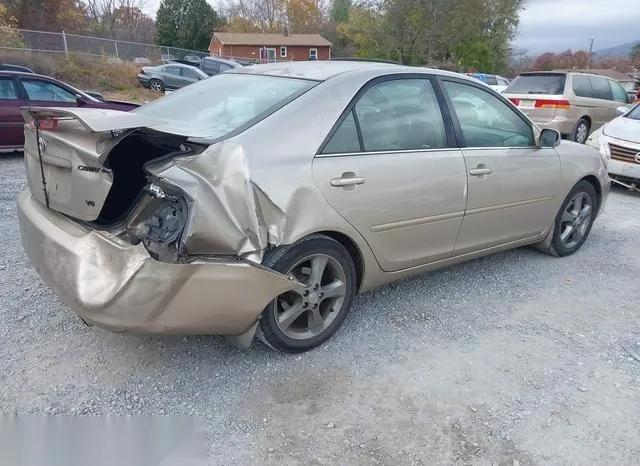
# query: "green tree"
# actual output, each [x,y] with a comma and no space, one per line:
[339,11]
[187,24]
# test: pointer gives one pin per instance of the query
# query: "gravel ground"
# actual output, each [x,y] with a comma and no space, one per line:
[518,358]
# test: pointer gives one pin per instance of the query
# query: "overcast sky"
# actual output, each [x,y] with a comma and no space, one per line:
[554,25]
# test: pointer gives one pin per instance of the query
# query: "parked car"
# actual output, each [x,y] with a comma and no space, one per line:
[619,142]
[193,59]
[170,76]
[18,89]
[495,82]
[8,67]
[215,65]
[251,201]
[573,103]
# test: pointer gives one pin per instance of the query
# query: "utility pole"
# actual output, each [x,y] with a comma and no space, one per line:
[590,52]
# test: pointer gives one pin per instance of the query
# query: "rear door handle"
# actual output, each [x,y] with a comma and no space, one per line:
[347,179]
[480,171]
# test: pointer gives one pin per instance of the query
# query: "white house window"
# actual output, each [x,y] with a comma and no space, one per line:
[313,54]
[283,51]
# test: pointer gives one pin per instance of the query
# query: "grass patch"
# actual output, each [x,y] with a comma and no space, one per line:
[85,73]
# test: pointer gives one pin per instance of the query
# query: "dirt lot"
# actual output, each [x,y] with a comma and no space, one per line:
[518,358]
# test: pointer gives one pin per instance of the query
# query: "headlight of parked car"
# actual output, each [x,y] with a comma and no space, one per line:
[599,141]
[159,223]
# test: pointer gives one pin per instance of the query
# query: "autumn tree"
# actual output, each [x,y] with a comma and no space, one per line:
[48,15]
[120,19]
[634,55]
[187,24]
[9,37]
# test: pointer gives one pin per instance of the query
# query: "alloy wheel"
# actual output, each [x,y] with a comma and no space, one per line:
[576,220]
[581,133]
[306,312]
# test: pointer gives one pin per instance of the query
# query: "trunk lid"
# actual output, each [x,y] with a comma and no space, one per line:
[65,157]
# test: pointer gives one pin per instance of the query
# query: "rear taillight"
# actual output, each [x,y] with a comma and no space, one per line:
[515,102]
[557,104]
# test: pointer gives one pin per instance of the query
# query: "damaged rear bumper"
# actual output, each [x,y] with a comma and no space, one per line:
[118,286]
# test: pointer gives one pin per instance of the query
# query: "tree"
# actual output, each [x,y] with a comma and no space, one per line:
[9,37]
[187,24]
[634,55]
[48,15]
[120,19]
[339,11]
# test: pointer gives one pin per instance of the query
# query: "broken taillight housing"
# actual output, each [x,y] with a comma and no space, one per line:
[160,223]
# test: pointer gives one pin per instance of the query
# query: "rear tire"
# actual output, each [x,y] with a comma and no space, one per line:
[581,131]
[298,321]
[574,220]
[156,85]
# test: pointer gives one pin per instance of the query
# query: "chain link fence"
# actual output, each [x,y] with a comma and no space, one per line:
[114,50]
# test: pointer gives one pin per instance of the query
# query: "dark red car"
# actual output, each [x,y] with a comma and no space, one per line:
[22,89]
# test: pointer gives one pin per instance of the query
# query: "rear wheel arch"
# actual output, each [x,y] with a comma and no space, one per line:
[354,252]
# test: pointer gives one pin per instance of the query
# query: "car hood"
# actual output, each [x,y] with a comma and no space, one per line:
[624,128]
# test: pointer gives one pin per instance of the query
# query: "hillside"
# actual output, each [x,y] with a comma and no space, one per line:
[618,51]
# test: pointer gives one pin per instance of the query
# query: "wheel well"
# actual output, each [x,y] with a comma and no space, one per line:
[353,249]
[596,185]
[586,118]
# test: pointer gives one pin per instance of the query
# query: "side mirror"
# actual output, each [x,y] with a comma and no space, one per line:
[621,110]
[549,138]
[80,100]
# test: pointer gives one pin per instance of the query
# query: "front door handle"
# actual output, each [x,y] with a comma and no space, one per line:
[347,179]
[481,170]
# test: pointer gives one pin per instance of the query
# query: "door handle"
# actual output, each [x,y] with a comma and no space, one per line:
[481,171]
[347,179]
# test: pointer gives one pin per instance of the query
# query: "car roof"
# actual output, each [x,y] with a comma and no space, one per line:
[25,74]
[324,70]
[221,60]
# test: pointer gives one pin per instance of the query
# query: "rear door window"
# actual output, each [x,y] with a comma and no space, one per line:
[582,86]
[600,88]
[46,91]
[187,73]
[492,81]
[175,70]
[401,114]
[7,89]
[619,94]
[543,83]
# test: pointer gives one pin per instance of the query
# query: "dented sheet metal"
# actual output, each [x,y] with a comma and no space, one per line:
[230,215]
[116,285]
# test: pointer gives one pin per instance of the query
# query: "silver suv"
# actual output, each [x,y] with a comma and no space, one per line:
[573,103]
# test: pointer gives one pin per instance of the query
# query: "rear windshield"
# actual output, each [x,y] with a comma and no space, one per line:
[223,103]
[552,84]
[635,113]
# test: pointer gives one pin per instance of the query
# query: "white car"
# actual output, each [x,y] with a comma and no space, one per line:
[497,83]
[619,144]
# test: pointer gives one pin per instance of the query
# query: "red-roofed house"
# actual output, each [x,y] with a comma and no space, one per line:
[270,47]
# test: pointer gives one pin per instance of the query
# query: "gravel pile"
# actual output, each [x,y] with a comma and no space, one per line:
[518,358]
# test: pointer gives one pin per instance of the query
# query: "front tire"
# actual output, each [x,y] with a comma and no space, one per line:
[300,320]
[581,131]
[574,220]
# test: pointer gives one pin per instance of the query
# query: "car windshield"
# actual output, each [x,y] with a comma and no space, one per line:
[634,114]
[223,103]
[552,84]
